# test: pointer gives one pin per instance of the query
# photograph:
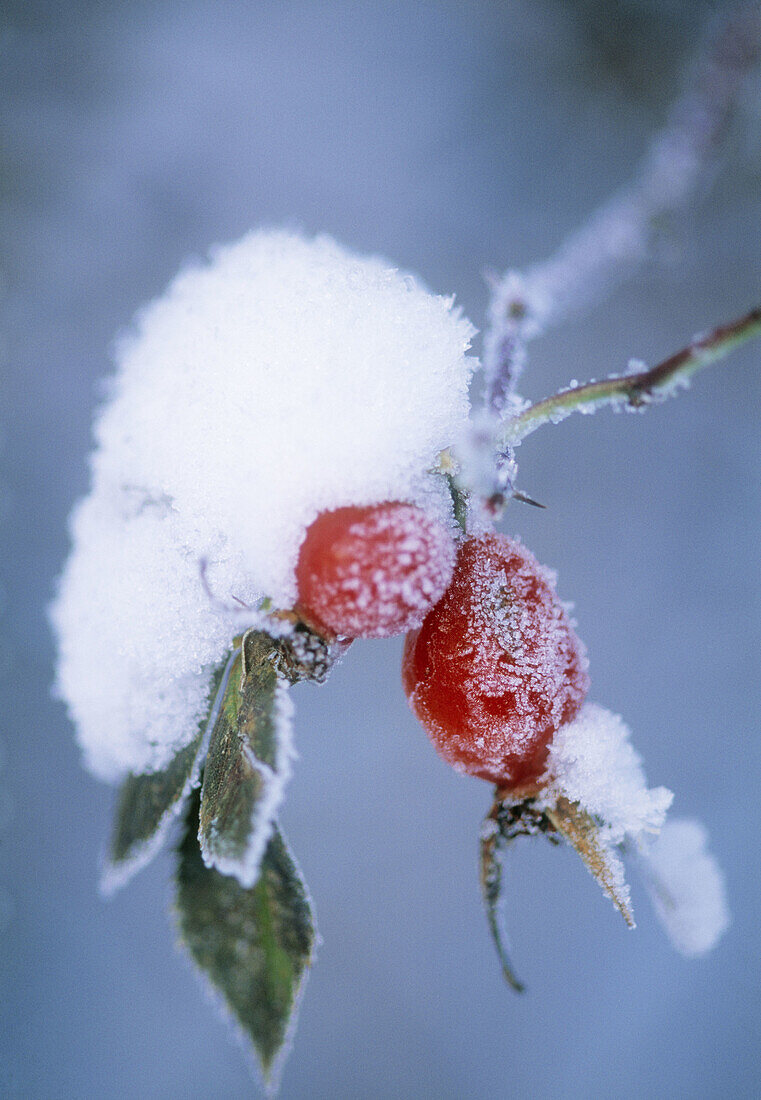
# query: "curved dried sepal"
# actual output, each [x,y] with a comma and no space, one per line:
[583,834]
[493,842]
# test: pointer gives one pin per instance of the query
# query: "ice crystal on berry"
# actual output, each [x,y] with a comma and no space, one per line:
[592,762]
[373,572]
[496,667]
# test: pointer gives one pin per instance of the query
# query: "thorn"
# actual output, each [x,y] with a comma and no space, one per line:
[524,499]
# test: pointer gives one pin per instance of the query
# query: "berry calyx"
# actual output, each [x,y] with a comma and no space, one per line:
[373,571]
[496,667]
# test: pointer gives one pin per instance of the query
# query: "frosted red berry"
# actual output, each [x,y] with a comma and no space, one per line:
[373,571]
[496,668]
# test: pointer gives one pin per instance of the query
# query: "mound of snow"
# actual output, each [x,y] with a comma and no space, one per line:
[286,377]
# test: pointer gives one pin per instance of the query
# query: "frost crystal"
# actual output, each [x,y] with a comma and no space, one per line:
[686,887]
[286,377]
[592,762]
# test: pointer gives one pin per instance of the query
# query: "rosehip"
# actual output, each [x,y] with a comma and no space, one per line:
[496,667]
[373,571]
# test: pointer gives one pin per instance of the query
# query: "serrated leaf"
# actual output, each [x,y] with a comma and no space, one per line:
[583,833]
[253,945]
[248,763]
[148,804]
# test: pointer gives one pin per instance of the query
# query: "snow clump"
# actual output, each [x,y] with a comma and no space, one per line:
[592,761]
[686,887]
[286,377]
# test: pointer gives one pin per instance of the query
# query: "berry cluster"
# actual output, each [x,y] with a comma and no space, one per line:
[492,666]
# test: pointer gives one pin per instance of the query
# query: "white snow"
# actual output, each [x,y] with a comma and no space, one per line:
[686,886]
[285,377]
[591,761]
[115,875]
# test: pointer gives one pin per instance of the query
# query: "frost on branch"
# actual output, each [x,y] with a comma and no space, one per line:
[615,242]
[284,378]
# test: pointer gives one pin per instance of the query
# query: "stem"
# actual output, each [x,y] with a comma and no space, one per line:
[619,238]
[635,390]
[490,875]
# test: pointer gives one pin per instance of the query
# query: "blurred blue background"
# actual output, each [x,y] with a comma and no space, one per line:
[451,137]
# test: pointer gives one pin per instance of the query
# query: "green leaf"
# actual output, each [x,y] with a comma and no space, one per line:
[248,762]
[459,502]
[148,804]
[253,945]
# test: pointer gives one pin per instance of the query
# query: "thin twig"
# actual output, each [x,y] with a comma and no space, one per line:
[639,389]
[619,238]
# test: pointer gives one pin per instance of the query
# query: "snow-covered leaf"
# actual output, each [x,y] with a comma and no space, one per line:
[253,945]
[283,359]
[248,763]
[148,804]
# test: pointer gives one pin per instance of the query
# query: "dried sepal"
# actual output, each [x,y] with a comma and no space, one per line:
[583,833]
[306,655]
[507,820]
[513,816]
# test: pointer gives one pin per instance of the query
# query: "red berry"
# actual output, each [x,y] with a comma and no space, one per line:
[373,571]
[496,667]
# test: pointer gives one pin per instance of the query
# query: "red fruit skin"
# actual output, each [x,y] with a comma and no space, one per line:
[496,667]
[373,571]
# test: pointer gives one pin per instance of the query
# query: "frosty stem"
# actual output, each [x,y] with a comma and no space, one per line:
[620,236]
[639,389]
